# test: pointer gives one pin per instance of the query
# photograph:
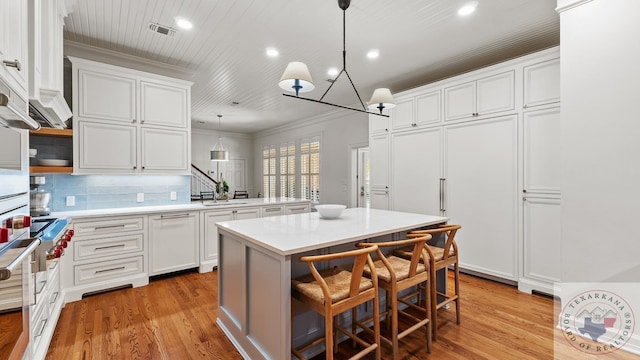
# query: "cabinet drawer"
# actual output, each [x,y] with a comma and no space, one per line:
[297,209]
[109,226]
[272,211]
[107,246]
[94,272]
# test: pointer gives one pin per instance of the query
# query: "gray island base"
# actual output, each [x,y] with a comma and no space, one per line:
[258,258]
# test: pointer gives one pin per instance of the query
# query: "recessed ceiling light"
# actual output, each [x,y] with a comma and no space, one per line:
[332,71]
[373,54]
[468,8]
[272,52]
[184,23]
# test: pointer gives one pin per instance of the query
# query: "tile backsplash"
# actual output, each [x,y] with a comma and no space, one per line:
[115,191]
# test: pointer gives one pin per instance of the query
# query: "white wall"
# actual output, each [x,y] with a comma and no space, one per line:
[338,130]
[600,73]
[240,146]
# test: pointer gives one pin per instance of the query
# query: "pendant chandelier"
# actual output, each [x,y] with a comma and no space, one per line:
[218,153]
[296,78]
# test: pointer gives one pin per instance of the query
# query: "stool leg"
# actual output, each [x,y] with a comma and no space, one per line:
[427,309]
[457,285]
[376,325]
[328,335]
[394,321]
[354,327]
[433,301]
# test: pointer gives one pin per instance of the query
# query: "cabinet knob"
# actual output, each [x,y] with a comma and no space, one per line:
[142,122]
[386,130]
[134,121]
[524,106]
[414,124]
[15,64]
[134,167]
[143,168]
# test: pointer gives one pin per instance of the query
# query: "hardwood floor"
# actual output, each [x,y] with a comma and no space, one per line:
[174,318]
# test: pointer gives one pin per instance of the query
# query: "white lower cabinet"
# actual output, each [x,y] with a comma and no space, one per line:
[209,231]
[46,311]
[542,265]
[106,252]
[275,210]
[173,242]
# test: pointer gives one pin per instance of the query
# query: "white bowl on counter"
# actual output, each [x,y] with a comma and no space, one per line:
[330,211]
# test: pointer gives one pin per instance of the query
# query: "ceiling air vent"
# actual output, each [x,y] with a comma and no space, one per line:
[162,29]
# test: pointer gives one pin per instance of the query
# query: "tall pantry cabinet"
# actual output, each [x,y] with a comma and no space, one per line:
[472,148]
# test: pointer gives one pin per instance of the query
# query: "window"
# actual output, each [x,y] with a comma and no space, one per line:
[269,170]
[288,169]
[310,169]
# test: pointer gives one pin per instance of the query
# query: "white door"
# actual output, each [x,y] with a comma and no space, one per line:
[162,104]
[119,105]
[165,150]
[174,242]
[379,173]
[542,248]
[210,240]
[481,193]
[416,167]
[541,150]
[106,147]
[363,182]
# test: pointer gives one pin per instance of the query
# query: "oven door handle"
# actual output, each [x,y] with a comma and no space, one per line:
[29,246]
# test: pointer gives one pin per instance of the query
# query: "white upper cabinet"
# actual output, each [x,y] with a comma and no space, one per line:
[163,105]
[378,125]
[402,115]
[164,150]
[14,66]
[542,83]
[105,147]
[428,108]
[106,96]
[489,95]
[146,115]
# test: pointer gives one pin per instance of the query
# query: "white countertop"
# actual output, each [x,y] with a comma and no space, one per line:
[194,206]
[292,234]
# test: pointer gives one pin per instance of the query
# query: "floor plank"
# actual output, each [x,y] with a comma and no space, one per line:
[174,318]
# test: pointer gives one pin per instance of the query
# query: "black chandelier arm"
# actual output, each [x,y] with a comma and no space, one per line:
[336,105]
[354,89]
[333,82]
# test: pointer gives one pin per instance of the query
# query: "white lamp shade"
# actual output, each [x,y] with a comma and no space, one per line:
[296,71]
[381,96]
[219,155]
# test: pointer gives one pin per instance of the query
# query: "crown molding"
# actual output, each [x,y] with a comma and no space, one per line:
[564,5]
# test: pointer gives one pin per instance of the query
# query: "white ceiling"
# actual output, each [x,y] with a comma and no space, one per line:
[419,41]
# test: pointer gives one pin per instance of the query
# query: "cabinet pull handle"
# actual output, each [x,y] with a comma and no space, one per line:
[109,247]
[442,185]
[298,208]
[54,265]
[174,216]
[14,64]
[44,325]
[108,227]
[108,270]
[55,297]
[43,284]
[272,210]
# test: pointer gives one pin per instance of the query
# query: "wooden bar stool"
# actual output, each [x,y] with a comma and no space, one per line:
[396,274]
[440,258]
[336,290]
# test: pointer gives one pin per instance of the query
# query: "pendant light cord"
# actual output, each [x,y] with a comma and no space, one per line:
[344,62]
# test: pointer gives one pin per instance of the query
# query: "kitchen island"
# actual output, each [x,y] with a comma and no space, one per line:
[258,258]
